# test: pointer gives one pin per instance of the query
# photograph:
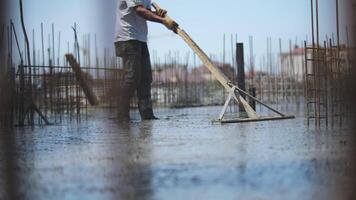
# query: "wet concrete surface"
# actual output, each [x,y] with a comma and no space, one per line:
[181,156]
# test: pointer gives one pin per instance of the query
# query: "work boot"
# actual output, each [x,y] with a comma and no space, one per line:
[146,110]
[123,113]
[123,108]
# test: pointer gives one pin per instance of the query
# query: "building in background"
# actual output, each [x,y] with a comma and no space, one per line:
[293,63]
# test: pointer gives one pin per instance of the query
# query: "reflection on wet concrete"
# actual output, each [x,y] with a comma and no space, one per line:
[182,156]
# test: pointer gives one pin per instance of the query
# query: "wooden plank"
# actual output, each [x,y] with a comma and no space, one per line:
[83,82]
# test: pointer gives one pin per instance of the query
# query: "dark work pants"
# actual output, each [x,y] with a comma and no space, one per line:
[138,73]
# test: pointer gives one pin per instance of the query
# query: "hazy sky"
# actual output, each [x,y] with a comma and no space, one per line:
[206,21]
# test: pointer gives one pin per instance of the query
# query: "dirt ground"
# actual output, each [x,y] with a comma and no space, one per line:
[181,156]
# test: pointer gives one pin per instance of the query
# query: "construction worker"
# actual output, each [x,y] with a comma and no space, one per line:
[131,46]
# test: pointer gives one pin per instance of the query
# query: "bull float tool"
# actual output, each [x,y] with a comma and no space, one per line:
[235,93]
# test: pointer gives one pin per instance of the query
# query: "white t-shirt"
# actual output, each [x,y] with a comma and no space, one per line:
[130,26]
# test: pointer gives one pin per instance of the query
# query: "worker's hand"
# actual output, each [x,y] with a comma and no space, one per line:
[170,24]
[161,12]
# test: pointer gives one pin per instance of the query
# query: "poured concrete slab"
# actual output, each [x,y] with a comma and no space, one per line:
[181,156]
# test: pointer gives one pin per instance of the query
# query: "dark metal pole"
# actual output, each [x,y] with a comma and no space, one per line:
[240,70]
[240,66]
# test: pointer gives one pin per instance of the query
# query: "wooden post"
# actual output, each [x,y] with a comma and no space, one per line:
[83,82]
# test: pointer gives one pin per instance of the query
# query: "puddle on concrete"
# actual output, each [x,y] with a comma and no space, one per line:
[182,156]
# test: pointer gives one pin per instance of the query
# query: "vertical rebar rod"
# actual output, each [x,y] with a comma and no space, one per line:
[293,78]
[59,48]
[339,80]
[42,42]
[232,54]
[252,62]
[33,48]
[270,69]
[2,42]
[281,70]
[76,43]
[53,47]
[306,81]
[224,48]
[10,47]
[13,77]
[312,22]
[34,69]
[333,76]
[28,59]
[325,90]
[313,67]
[267,71]
[337,25]
[318,62]
[50,76]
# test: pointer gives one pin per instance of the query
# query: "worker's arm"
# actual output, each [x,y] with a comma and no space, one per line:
[156,17]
